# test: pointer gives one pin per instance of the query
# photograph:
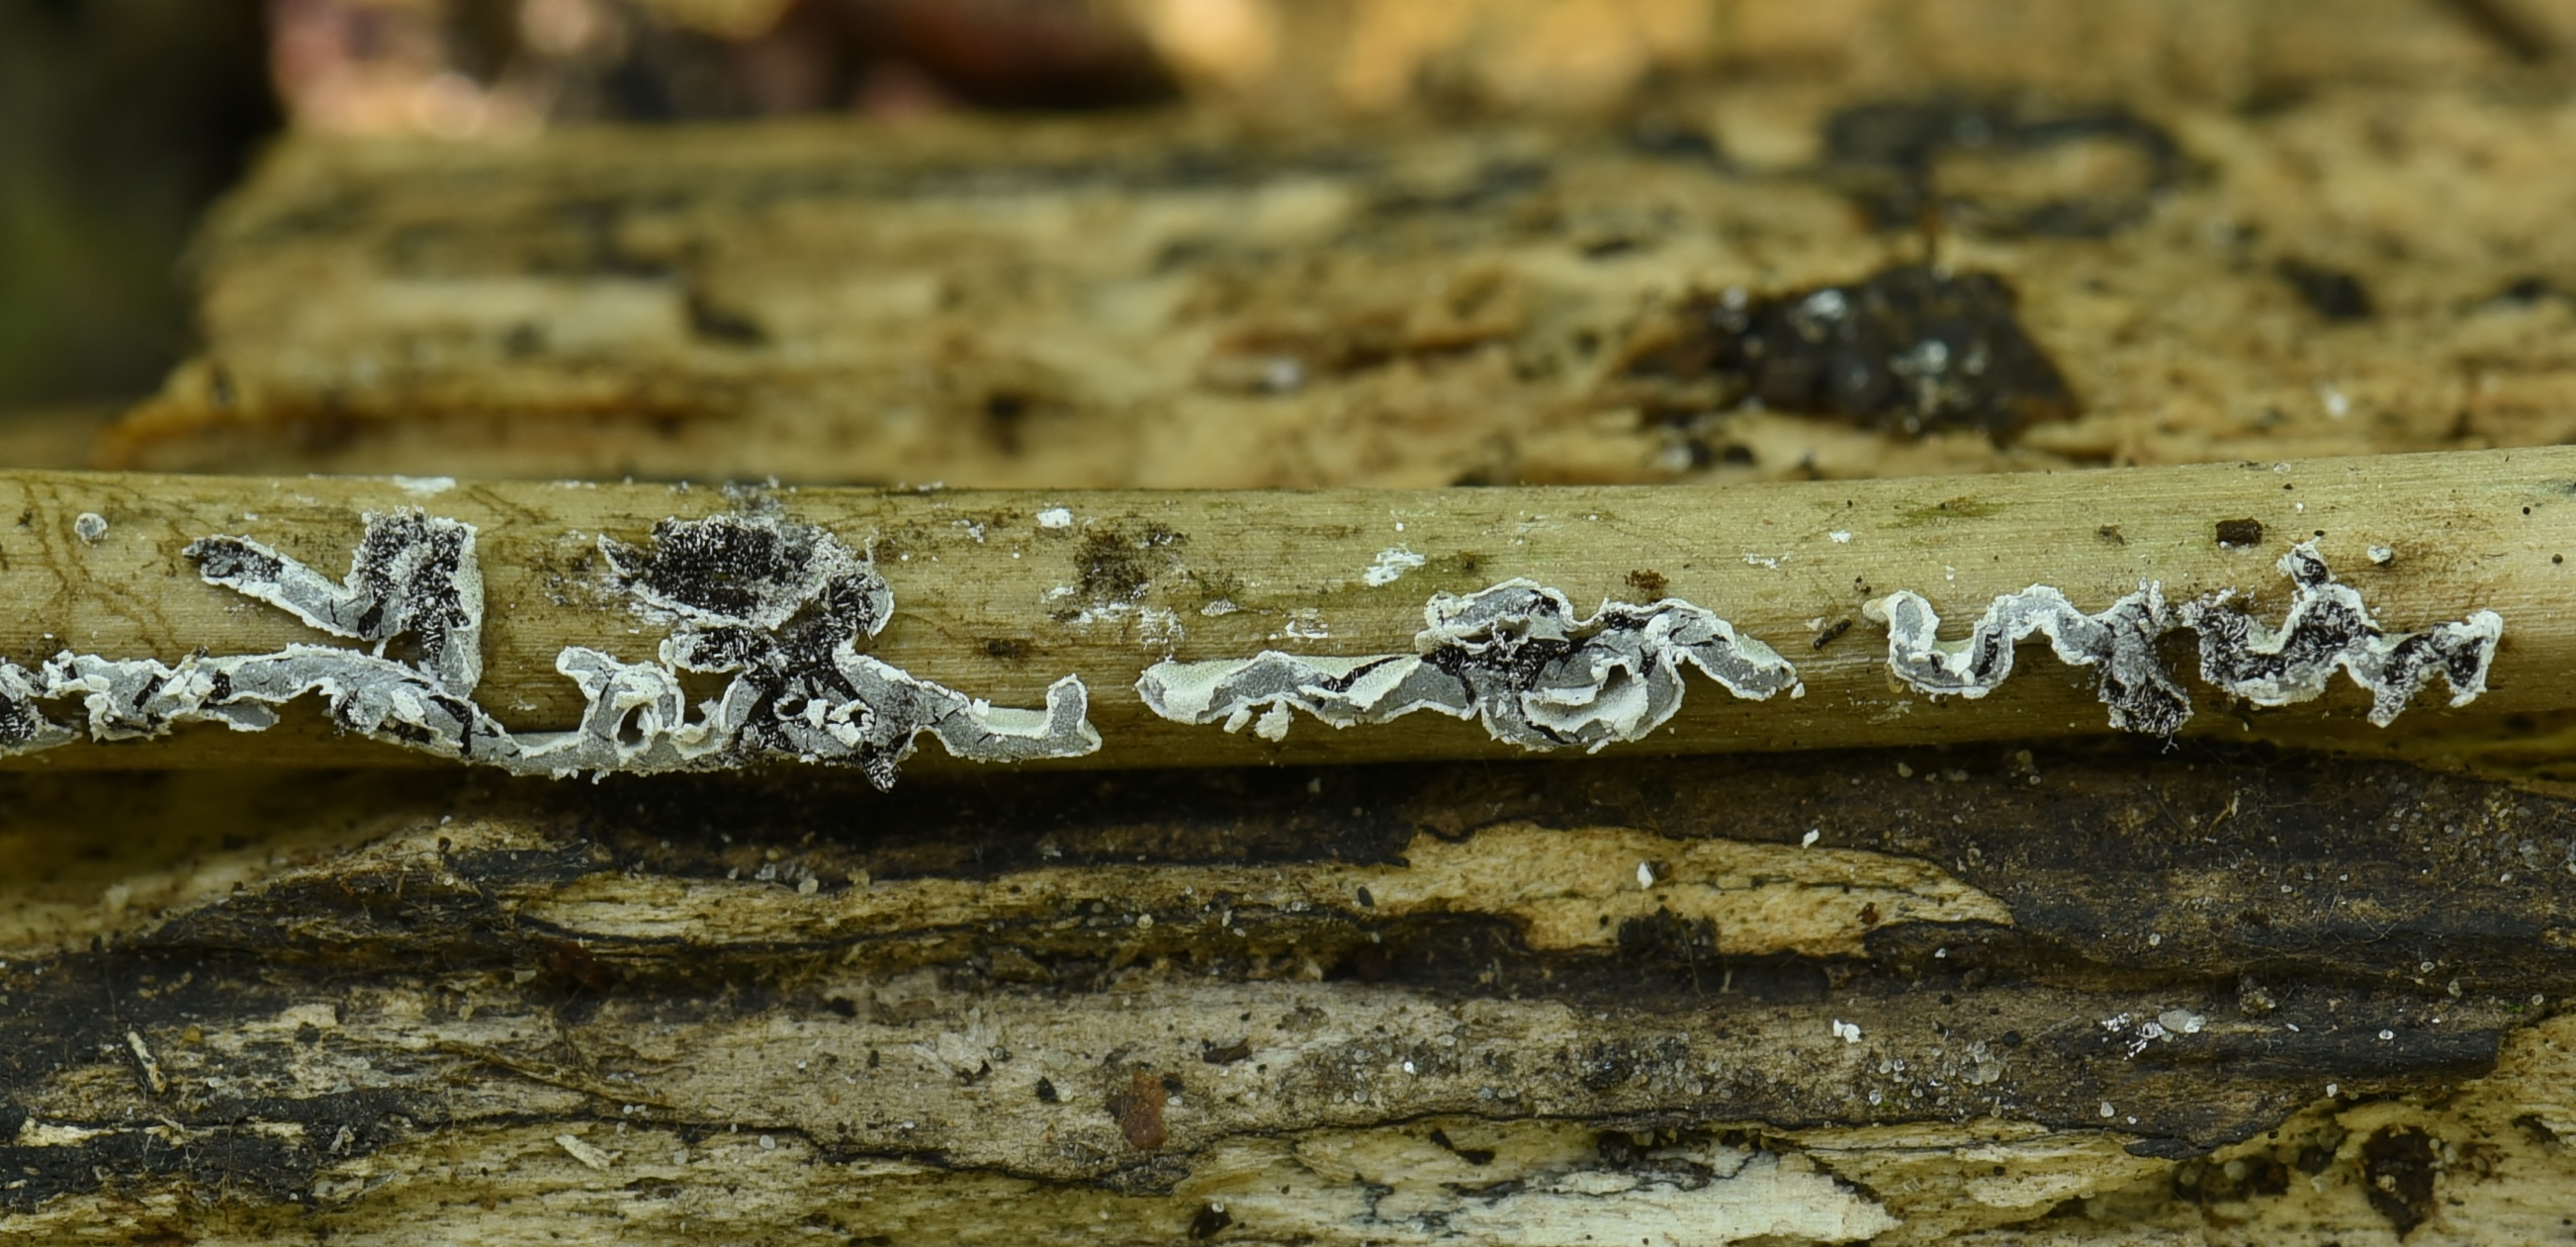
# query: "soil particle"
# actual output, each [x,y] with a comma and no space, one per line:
[2240,534]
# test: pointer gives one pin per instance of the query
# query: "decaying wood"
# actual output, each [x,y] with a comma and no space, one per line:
[1002,595]
[1954,987]
[1185,302]
[2049,995]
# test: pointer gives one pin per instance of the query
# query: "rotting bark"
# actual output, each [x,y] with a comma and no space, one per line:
[1878,994]
[1191,302]
[1029,597]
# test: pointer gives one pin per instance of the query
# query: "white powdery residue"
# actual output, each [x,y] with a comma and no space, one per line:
[1772,561]
[1160,629]
[1515,657]
[973,529]
[1055,517]
[1306,624]
[1391,565]
[1219,607]
[1840,537]
[425,486]
[1847,1032]
[1103,613]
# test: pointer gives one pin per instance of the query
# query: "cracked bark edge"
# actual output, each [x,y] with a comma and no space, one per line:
[1512,656]
[2327,627]
[779,605]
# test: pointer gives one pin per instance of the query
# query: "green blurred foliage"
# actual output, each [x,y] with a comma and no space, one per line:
[119,121]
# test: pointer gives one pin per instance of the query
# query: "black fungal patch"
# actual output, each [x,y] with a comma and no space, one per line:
[2330,627]
[2240,534]
[22,725]
[1117,565]
[772,602]
[1986,165]
[1471,1155]
[2401,1167]
[2329,292]
[730,569]
[1910,349]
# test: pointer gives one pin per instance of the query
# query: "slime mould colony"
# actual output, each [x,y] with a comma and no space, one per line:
[781,607]
[2327,627]
[1514,657]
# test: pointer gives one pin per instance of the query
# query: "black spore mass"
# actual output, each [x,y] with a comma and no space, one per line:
[1911,348]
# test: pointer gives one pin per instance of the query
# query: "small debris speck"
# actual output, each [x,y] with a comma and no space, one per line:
[1391,565]
[2237,534]
[1846,1031]
[586,1153]
[1055,517]
[2382,555]
[90,526]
